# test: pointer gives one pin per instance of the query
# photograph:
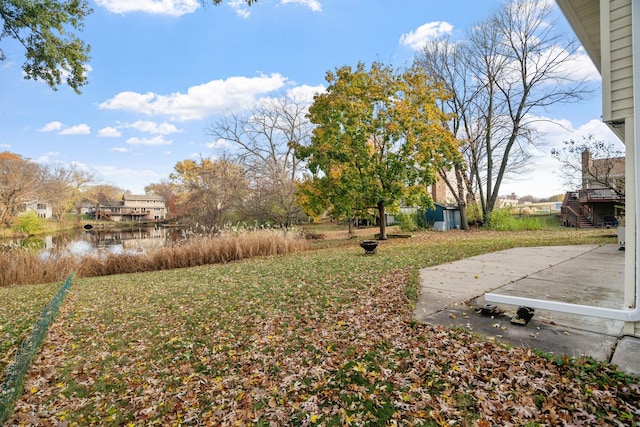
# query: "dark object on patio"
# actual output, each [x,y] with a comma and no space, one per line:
[369,246]
[523,315]
[488,310]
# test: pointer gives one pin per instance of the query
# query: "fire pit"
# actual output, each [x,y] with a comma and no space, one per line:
[369,246]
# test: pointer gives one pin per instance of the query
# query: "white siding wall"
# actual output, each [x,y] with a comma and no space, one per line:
[617,67]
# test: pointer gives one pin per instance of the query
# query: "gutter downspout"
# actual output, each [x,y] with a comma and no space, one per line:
[633,313]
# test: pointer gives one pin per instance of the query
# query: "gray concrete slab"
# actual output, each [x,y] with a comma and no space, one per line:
[627,355]
[596,325]
[581,274]
[458,281]
[570,293]
[483,268]
[536,335]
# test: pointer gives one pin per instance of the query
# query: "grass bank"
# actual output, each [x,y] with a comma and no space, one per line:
[322,337]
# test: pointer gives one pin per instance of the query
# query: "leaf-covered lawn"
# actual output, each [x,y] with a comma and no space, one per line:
[20,308]
[317,338]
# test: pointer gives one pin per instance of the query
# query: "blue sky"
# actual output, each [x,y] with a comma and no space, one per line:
[162,71]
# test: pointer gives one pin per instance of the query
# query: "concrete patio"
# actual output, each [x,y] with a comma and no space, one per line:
[453,294]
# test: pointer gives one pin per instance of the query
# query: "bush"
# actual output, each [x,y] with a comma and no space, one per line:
[474,214]
[409,222]
[29,223]
[503,220]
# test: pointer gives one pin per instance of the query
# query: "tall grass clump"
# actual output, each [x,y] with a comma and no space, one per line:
[503,220]
[20,266]
[200,247]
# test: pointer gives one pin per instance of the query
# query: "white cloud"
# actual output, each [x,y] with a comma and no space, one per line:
[129,179]
[52,126]
[81,129]
[305,93]
[156,140]
[46,157]
[415,40]
[109,132]
[154,7]
[5,146]
[120,149]
[218,143]
[579,66]
[155,128]
[240,8]
[130,101]
[214,97]
[314,5]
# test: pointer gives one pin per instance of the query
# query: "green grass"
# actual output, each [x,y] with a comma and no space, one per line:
[19,310]
[505,220]
[322,337]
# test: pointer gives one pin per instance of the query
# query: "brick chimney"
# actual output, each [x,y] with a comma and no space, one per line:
[586,167]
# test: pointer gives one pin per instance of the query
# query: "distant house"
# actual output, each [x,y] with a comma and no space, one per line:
[598,203]
[132,208]
[42,209]
[504,202]
[85,207]
[440,191]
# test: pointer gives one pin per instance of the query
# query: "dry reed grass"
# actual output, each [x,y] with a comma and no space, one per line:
[20,267]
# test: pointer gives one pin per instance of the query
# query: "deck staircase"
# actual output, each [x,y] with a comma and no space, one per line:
[580,220]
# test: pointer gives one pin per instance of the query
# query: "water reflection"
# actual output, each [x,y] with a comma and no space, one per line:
[98,241]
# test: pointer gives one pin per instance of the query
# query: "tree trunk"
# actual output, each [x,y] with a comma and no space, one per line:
[383,222]
[462,205]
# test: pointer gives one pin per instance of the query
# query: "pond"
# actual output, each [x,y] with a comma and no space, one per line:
[98,240]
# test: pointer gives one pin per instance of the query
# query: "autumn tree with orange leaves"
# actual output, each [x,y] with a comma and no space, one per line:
[21,180]
[209,191]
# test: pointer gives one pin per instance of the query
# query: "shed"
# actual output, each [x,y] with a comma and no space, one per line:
[444,217]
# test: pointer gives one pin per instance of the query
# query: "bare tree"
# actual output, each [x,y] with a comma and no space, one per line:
[592,160]
[103,193]
[264,141]
[511,65]
[449,63]
[63,187]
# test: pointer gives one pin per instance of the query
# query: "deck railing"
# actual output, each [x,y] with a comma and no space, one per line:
[599,195]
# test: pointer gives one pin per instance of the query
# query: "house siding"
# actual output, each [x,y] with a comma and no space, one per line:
[41,209]
[617,65]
